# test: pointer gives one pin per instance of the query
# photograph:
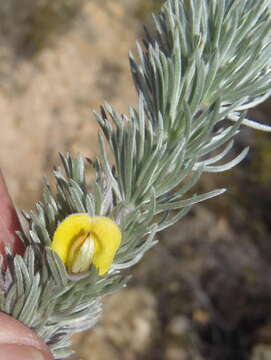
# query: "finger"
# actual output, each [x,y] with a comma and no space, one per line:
[19,342]
[16,340]
[9,222]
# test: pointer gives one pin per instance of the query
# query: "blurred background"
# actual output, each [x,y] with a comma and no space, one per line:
[205,291]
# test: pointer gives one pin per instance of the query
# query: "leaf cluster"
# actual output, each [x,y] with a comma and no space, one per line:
[206,62]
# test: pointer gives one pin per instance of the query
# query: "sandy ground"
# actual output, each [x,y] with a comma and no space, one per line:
[46,103]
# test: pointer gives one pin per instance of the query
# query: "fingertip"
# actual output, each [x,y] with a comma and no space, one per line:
[9,221]
[17,338]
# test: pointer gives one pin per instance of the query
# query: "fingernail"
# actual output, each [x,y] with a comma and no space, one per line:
[19,352]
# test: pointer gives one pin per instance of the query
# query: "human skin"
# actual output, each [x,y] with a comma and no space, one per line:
[17,342]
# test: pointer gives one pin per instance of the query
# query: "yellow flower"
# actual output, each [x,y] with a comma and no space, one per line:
[81,240]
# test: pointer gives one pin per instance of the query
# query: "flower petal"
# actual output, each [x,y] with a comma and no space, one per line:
[105,233]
